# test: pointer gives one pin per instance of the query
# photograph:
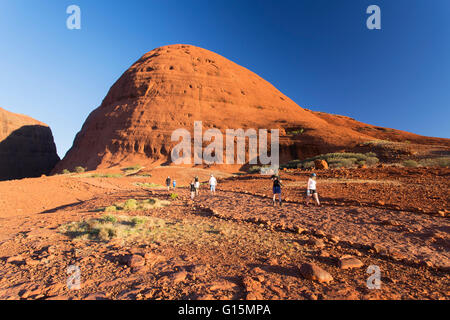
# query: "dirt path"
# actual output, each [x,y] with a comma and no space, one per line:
[416,237]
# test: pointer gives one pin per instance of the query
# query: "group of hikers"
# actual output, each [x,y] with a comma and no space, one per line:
[311,190]
[194,187]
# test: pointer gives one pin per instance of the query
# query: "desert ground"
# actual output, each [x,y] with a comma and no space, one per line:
[133,239]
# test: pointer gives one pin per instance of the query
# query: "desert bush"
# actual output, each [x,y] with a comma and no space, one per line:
[372,161]
[173,196]
[111,209]
[410,163]
[79,169]
[133,168]
[254,169]
[443,162]
[296,131]
[130,204]
[65,171]
[107,218]
[107,175]
[335,160]
[137,220]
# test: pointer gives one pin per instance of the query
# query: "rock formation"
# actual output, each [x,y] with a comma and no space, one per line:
[173,86]
[27,148]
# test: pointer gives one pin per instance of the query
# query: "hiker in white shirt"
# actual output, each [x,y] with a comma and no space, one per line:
[311,190]
[212,184]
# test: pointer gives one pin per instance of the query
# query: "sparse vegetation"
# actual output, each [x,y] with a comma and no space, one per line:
[105,175]
[148,185]
[443,162]
[65,171]
[173,196]
[410,164]
[295,132]
[134,205]
[132,168]
[335,160]
[80,169]
[109,227]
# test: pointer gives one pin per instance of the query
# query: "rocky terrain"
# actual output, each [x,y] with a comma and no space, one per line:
[27,148]
[235,245]
[171,87]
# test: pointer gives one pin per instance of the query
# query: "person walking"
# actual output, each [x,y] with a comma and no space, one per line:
[193,190]
[174,184]
[276,189]
[311,190]
[212,184]
[168,180]
[197,186]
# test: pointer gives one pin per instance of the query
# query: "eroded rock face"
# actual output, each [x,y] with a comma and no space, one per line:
[173,86]
[27,148]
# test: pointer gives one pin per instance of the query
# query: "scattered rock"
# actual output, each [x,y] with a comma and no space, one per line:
[15,260]
[136,261]
[318,243]
[320,164]
[223,285]
[349,262]
[311,271]
[179,276]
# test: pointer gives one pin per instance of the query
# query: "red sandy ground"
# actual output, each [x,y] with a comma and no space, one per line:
[234,245]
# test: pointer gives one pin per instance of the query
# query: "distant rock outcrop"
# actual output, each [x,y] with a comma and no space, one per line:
[173,86]
[27,148]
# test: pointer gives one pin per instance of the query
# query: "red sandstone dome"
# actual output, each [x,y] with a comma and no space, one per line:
[173,86]
[27,148]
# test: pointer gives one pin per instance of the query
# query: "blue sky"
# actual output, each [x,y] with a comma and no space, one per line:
[319,53]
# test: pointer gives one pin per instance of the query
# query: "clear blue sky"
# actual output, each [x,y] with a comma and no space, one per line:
[317,52]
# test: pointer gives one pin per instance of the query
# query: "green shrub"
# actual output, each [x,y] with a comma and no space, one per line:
[296,132]
[335,160]
[410,163]
[137,220]
[254,169]
[443,162]
[133,168]
[79,169]
[111,209]
[372,161]
[107,218]
[130,204]
[65,171]
[173,196]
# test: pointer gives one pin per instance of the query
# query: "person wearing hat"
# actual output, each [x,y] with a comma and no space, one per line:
[311,190]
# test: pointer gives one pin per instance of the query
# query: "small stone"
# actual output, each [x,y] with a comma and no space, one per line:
[254,296]
[349,262]
[313,272]
[136,261]
[299,229]
[15,260]
[179,276]
[324,254]
[318,243]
